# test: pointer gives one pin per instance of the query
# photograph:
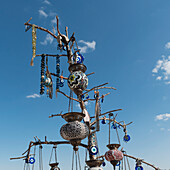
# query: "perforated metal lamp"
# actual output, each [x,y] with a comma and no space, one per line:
[54,166]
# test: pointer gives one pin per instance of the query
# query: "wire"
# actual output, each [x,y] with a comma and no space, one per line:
[118,136]
[124,162]
[127,161]
[40,158]
[79,161]
[34,157]
[76,160]
[73,161]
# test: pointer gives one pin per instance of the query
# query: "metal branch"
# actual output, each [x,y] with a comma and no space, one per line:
[60,114]
[43,29]
[96,87]
[95,99]
[90,74]
[52,55]
[29,20]
[112,120]
[47,143]
[107,88]
[104,95]
[135,159]
[68,96]
[141,161]
[107,112]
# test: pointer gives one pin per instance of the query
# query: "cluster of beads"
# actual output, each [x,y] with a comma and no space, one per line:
[57,72]
[34,38]
[42,74]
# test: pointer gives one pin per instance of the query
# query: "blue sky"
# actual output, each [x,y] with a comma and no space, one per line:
[126,43]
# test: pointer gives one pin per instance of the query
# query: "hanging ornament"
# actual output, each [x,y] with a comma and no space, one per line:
[77,58]
[32,160]
[104,164]
[82,96]
[104,120]
[95,94]
[86,96]
[126,138]
[58,72]
[114,154]
[138,167]
[48,82]
[34,38]
[119,126]
[118,164]
[77,81]
[114,126]
[61,81]
[102,98]
[27,27]
[42,74]
[93,150]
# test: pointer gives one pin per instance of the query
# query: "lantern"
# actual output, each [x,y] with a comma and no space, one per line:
[77,81]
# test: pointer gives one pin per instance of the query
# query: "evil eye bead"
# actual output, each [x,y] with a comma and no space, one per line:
[103,164]
[126,138]
[86,96]
[78,58]
[93,150]
[114,126]
[118,164]
[138,168]
[103,121]
[32,160]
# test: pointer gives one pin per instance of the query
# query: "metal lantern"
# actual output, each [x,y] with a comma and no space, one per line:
[54,166]
[77,81]
[74,131]
[113,155]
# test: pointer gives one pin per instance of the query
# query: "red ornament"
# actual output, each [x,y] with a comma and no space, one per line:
[112,155]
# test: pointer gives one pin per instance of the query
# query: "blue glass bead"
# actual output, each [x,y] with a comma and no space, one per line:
[93,150]
[32,160]
[126,138]
[103,164]
[103,121]
[138,168]
[118,164]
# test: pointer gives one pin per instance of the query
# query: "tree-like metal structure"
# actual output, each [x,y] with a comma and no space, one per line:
[74,131]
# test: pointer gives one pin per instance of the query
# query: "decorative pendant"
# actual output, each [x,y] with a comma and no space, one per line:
[34,38]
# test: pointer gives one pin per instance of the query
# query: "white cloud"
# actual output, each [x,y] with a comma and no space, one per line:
[48,39]
[164,117]
[163,69]
[54,21]
[168,82]
[158,66]
[162,129]
[42,13]
[52,14]
[47,2]
[33,96]
[167,45]
[159,78]
[169,130]
[87,46]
